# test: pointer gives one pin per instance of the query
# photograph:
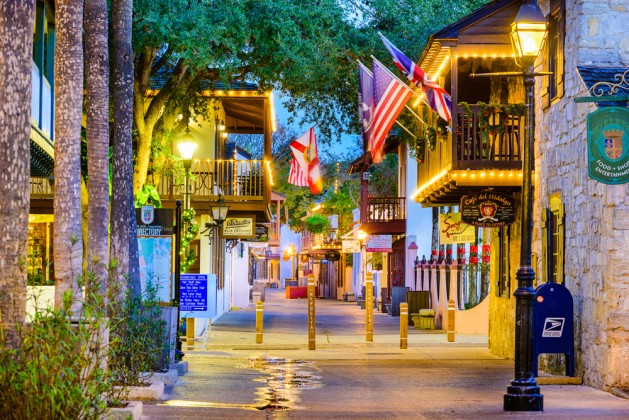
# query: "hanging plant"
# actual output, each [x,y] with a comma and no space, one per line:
[316,223]
[441,129]
[431,138]
[188,234]
[486,113]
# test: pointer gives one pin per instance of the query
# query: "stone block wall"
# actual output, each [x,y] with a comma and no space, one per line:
[596,215]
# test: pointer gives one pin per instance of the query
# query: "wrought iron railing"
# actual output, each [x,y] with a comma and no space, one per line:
[385,209]
[243,180]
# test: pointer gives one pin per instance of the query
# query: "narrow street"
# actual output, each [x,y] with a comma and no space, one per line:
[345,377]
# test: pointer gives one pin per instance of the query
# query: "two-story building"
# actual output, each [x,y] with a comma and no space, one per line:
[579,226]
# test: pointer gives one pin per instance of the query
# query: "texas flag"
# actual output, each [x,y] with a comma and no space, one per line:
[305,164]
[436,96]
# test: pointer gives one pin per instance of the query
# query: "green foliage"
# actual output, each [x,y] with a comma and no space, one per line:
[59,370]
[316,223]
[383,177]
[148,195]
[188,234]
[140,338]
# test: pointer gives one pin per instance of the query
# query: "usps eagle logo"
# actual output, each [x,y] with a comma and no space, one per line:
[148,214]
[613,143]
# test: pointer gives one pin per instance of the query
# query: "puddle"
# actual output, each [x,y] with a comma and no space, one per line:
[284,381]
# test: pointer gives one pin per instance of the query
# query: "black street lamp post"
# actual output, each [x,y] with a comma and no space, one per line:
[186,146]
[528,33]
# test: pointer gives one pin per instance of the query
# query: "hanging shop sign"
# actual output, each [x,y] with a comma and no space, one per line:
[332,255]
[154,222]
[351,246]
[241,227]
[487,209]
[379,243]
[608,145]
[453,231]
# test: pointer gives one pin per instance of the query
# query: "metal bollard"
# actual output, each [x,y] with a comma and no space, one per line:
[312,322]
[451,321]
[369,306]
[403,325]
[259,321]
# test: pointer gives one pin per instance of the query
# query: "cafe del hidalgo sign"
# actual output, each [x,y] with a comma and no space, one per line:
[608,145]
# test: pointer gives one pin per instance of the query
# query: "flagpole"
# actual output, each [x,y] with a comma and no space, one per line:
[406,129]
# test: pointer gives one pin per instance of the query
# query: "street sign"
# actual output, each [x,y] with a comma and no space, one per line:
[194,293]
[553,323]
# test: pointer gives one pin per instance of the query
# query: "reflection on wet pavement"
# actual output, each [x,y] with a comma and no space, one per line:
[284,381]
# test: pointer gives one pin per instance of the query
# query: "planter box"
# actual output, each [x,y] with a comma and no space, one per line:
[132,411]
[296,292]
[39,298]
[153,392]
[168,378]
[182,367]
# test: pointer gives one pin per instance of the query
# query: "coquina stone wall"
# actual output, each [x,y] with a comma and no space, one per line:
[596,214]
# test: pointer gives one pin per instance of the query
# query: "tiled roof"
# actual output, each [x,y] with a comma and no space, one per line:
[606,81]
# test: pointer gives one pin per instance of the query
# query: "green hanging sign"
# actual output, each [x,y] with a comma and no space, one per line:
[608,145]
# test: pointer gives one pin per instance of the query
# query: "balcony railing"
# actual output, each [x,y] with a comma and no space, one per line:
[242,180]
[385,209]
[235,180]
[482,138]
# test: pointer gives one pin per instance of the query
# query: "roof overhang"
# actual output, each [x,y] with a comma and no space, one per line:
[448,186]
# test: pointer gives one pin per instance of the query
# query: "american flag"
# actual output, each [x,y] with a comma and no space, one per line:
[296,175]
[305,163]
[389,97]
[436,96]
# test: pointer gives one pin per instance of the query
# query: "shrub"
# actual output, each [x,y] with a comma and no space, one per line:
[140,339]
[59,369]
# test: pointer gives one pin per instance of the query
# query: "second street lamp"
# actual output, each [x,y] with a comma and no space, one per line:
[527,35]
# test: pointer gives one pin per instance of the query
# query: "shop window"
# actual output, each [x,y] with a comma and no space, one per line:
[553,245]
[552,86]
[503,281]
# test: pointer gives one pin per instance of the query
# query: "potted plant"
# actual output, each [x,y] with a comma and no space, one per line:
[316,224]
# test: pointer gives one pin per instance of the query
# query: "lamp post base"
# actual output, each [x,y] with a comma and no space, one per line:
[523,397]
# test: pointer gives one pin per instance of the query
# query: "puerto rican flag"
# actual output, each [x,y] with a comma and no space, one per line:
[436,96]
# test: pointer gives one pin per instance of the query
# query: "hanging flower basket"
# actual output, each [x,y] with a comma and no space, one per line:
[316,224]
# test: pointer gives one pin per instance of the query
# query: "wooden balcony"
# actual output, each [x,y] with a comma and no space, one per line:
[234,180]
[484,149]
[243,184]
[383,215]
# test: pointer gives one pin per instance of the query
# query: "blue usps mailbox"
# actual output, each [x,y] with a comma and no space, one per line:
[553,316]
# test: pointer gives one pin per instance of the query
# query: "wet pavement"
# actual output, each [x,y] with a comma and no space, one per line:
[346,377]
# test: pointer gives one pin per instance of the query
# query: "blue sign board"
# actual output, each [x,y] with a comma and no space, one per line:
[193,293]
[553,323]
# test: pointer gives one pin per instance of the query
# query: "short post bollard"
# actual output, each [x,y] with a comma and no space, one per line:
[190,332]
[369,306]
[259,321]
[312,323]
[451,321]
[403,325]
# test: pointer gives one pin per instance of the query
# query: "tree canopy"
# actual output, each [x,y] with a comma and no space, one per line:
[306,49]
